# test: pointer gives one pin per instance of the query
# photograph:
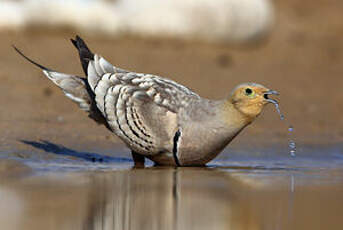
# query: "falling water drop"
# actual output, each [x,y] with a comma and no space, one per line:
[277,107]
[291,143]
[290,129]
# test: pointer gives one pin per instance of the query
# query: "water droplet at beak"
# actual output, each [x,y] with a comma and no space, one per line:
[282,117]
[275,102]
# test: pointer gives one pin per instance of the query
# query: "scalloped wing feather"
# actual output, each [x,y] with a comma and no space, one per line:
[140,108]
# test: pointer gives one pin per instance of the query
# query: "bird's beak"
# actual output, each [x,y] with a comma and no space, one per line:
[270,92]
[275,102]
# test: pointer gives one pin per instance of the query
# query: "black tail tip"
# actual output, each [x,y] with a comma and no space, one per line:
[16,49]
[78,38]
[29,59]
[78,42]
[84,52]
[74,42]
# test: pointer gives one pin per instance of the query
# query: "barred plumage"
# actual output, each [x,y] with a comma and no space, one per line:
[157,117]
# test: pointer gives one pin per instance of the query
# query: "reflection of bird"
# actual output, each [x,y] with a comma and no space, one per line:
[156,117]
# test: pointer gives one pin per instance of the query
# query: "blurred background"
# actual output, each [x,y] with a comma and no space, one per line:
[294,47]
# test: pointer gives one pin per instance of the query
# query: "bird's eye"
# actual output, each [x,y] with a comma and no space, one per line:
[249,92]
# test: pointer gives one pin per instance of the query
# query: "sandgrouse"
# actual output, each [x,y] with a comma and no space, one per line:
[155,117]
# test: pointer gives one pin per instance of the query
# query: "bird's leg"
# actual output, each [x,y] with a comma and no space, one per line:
[138,160]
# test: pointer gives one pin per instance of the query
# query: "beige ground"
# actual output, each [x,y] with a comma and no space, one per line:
[302,60]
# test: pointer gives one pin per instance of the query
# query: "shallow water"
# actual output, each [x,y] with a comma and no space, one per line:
[237,191]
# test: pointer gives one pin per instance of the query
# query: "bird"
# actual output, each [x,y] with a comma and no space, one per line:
[156,117]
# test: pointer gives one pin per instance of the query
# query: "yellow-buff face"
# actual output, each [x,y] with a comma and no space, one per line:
[250,98]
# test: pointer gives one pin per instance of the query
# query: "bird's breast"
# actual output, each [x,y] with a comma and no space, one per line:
[200,143]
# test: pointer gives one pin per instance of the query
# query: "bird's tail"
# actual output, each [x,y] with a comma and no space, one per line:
[74,87]
[84,52]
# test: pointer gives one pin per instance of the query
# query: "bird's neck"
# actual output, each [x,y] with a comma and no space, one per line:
[233,117]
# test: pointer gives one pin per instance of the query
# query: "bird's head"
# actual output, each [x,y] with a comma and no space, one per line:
[250,98]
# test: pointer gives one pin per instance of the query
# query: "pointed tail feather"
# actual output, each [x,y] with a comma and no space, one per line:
[74,87]
[30,60]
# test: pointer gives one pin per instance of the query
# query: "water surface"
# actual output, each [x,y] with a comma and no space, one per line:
[237,191]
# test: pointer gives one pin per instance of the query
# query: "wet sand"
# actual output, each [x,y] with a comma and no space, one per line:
[59,170]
